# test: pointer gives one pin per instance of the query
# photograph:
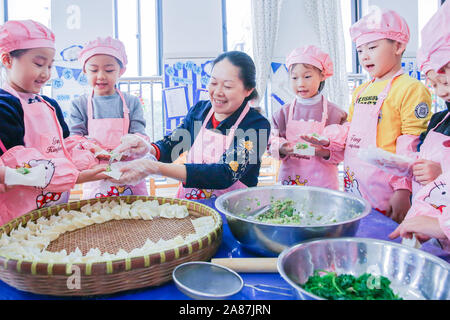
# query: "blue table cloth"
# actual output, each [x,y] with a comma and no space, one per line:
[269,286]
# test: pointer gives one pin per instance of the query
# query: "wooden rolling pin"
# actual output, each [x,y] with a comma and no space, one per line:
[250,265]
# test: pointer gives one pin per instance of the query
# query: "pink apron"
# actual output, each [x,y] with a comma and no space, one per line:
[431,149]
[44,137]
[208,147]
[360,177]
[307,170]
[107,132]
[2,186]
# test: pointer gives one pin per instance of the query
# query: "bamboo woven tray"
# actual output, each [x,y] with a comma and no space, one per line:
[111,276]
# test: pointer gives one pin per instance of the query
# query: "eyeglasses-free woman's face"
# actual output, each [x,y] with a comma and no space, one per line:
[226,90]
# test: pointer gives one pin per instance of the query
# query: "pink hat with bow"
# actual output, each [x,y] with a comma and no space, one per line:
[108,45]
[25,34]
[313,56]
[380,24]
[435,50]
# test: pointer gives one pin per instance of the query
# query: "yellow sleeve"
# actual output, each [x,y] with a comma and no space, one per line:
[415,109]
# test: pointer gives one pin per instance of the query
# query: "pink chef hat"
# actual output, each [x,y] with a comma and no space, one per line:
[108,45]
[25,34]
[435,50]
[380,24]
[313,56]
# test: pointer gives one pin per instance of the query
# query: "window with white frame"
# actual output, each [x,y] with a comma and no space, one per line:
[38,10]
[239,26]
[346,12]
[136,24]
[137,27]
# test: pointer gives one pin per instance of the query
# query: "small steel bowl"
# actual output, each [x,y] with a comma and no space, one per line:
[414,274]
[271,239]
[206,281]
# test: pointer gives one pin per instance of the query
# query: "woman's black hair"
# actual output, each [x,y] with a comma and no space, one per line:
[247,70]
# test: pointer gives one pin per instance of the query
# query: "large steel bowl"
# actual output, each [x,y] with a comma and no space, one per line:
[271,239]
[414,274]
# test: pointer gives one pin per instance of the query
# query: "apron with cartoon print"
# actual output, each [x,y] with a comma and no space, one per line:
[44,138]
[360,177]
[208,147]
[307,170]
[431,149]
[108,133]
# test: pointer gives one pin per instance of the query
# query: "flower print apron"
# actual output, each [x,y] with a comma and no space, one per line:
[43,138]
[107,132]
[208,147]
[431,149]
[360,177]
[307,170]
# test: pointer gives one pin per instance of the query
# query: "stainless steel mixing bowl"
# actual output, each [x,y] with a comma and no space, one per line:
[271,239]
[414,274]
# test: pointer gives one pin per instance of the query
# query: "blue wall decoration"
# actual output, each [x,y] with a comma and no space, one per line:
[194,74]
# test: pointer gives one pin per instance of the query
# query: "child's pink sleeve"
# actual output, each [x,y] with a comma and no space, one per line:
[277,134]
[406,146]
[337,135]
[275,143]
[78,148]
[61,172]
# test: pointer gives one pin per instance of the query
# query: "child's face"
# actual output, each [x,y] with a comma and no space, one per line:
[446,70]
[439,84]
[305,80]
[380,57]
[30,71]
[102,72]
[226,90]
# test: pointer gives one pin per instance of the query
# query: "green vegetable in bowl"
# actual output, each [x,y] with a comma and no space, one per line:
[23,170]
[108,169]
[301,146]
[348,287]
[281,211]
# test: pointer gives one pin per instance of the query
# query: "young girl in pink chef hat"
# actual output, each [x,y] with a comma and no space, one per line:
[100,120]
[435,49]
[389,112]
[309,113]
[33,130]
[432,55]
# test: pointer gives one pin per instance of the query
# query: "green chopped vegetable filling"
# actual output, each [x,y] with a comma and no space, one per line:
[23,170]
[348,287]
[302,146]
[282,210]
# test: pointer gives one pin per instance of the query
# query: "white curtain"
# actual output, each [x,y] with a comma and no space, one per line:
[327,19]
[265,21]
